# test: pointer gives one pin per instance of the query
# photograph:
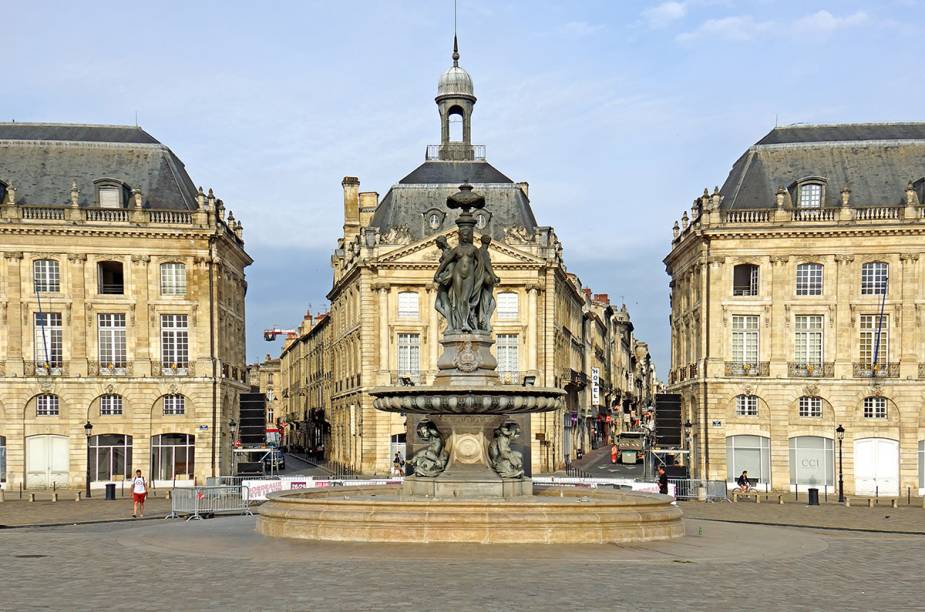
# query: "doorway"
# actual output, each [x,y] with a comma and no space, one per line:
[876,466]
[47,461]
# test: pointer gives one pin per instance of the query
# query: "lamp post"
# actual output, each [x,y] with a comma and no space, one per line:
[840,433]
[88,430]
[233,425]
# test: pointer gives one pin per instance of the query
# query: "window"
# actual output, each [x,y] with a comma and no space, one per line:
[874,408]
[172,456]
[809,279]
[47,405]
[507,350]
[812,461]
[110,197]
[409,353]
[746,405]
[810,407]
[745,279]
[110,456]
[807,341]
[112,340]
[874,328]
[3,458]
[507,306]
[751,453]
[45,276]
[174,342]
[408,305]
[810,195]
[173,278]
[874,278]
[745,339]
[109,278]
[174,404]
[48,341]
[110,405]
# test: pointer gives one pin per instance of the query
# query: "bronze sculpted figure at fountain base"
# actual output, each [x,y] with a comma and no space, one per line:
[507,462]
[431,460]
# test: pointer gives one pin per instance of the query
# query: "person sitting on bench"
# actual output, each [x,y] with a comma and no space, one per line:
[742,481]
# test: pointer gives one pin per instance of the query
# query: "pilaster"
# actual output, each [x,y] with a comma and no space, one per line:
[14,309]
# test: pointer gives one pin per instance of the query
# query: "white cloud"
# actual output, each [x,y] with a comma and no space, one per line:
[824,22]
[737,28]
[580,29]
[665,13]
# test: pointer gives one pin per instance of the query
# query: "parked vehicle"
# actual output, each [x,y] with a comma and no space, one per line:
[275,460]
[631,447]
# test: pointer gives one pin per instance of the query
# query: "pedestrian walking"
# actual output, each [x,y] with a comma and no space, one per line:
[662,480]
[398,463]
[139,492]
[613,453]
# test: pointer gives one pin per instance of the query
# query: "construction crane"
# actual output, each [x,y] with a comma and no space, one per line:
[270,334]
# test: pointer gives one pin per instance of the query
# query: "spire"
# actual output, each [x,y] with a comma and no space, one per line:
[455,52]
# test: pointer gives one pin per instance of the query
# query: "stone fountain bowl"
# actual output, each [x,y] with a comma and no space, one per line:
[470,400]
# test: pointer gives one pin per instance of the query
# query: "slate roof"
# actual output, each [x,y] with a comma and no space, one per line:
[428,186]
[42,160]
[874,161]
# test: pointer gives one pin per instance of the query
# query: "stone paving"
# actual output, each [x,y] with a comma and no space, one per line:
[224,564]
[15,512]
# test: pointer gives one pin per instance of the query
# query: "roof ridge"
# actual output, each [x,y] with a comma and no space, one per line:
[60,124]
[848,124]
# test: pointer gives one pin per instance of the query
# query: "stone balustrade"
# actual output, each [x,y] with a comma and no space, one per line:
[45,214]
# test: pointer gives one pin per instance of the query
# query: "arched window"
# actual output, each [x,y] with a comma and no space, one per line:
[810,195]
[746,405]
[745,279]
[174,404]
[809,279]
[748,453]
[47,405]
[172,456]
[455,120]
[110,456]
[875,408]
[810,407]
[408,305]
[110,405]
[811,461]
[173,278]
[874,278]
[508,306]
[46,276]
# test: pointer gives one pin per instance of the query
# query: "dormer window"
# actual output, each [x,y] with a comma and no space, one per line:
[110,193]
[810,195]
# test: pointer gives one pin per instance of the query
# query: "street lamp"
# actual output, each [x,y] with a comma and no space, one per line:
[840,434]
[688,426]
[88,429]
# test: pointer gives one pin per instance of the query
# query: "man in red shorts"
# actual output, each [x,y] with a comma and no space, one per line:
[139,492]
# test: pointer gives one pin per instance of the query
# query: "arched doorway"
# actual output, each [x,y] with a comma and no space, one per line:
[47,461]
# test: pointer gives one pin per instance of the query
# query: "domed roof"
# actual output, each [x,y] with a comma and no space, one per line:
[455,81]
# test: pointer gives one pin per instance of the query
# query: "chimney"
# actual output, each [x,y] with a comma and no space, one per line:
[351,185]
[369,200]
[602,298]
[525,187]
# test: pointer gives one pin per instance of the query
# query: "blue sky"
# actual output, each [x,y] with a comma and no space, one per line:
[617,113]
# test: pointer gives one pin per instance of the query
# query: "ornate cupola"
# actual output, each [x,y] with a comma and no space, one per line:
[455,100]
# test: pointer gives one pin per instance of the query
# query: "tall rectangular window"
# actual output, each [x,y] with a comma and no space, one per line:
[46,276]
[47,405]
[174,341]
[507,306]
[747,405]
[507,349]
[112,340]
[48,340]
[807,341]
[874,278]
[173,278]
[811,195]
[110,405]
[874,408]
[408,305]
[409,353]
[809,279]
[174,404]
[810,407]
[745,339]
[870,324]
[745,279]
[110,197]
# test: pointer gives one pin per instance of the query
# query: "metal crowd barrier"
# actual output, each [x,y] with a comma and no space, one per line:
[695,489]
[199,502]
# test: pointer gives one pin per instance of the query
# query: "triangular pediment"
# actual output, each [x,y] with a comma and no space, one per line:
[427,251]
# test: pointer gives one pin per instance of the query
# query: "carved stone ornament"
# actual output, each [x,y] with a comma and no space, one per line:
[467,360]
[399,234]
[876,389]
[109,389]
[747,390]
[13,255]
[517,234]
[811,390]
[173,389]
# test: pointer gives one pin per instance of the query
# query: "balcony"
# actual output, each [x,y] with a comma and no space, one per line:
[32,368]
[455,151]
[692,371]
[739,368]
[810,370]
[877,370]
[173,369]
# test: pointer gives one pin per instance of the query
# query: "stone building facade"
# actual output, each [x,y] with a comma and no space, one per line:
[305,399]
[382,328]
[797,293]
[264,377]
[122,301]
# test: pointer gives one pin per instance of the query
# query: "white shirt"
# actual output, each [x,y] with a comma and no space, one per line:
[138,485]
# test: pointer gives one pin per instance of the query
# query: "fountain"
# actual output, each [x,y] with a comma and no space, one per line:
[466,432]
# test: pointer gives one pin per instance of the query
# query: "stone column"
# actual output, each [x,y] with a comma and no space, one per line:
[14,316]
[383,290]
[531,327]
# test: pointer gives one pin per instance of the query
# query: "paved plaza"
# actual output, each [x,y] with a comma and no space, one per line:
[224,564]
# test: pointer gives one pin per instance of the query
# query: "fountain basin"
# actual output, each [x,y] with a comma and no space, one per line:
[550,516]
[469,400]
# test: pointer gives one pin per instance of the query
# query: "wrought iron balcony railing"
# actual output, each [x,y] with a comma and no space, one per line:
[740,368]
[876,370]
[810,370]
[455,151]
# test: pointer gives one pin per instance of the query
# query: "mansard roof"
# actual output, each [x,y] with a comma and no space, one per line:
[874,160]
[43,160]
